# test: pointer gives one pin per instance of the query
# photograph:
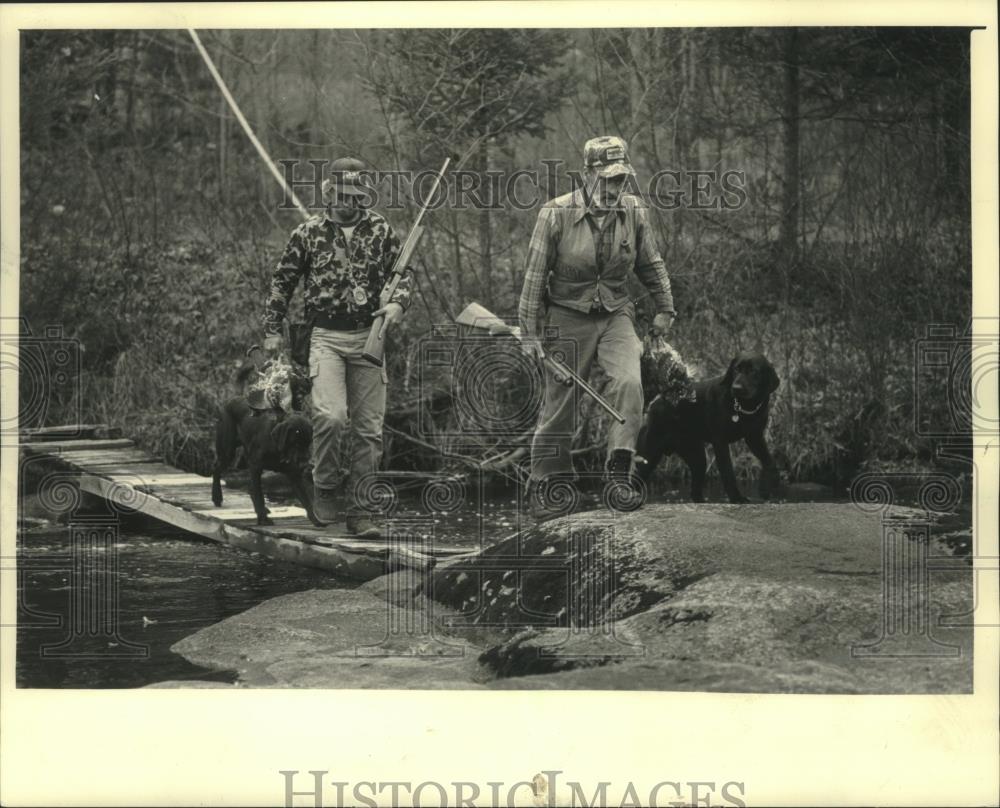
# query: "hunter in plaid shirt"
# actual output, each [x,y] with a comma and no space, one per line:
[582,251]
[562,213]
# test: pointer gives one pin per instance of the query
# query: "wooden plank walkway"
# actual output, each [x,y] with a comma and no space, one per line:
[116,470]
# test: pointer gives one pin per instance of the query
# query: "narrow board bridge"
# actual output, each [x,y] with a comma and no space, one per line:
[116,470]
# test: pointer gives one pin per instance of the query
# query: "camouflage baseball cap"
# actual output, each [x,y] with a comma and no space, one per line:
[347,176]
[608,156]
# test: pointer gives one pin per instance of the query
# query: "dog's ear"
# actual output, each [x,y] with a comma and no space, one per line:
[727,380]
[303,383]
[773,381]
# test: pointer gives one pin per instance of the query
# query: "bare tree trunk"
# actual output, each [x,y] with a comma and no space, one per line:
[107,83]
[637,52]
[681,139]
[456,265]
[223,134]
[790,202]
[485,229]
[134,46]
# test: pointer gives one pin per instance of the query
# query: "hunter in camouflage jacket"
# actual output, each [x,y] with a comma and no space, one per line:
[342,280]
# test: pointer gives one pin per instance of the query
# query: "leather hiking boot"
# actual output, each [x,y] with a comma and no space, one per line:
[362,527]
[623,490]
[619,467]
[547,501]
[325,504]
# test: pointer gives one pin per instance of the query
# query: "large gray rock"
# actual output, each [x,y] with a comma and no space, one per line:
[732,598]
[694,596]
[727,630]
[333,638]
[629,562]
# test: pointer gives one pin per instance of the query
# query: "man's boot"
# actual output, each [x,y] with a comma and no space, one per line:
[619,467]
[543,502]
[362,527]
[623,491]
[325,504]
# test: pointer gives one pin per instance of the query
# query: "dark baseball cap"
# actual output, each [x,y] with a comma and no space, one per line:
[348,176]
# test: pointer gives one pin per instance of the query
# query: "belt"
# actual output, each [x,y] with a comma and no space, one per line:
[342,322]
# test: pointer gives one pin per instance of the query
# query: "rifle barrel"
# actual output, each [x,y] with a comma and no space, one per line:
[559,367]
[402,260]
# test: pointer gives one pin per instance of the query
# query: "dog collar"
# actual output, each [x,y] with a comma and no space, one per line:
[738,410]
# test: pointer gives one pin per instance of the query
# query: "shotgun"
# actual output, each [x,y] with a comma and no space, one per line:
[480,317]
[374,350]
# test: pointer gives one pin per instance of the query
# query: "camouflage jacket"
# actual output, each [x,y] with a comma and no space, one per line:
[340,279]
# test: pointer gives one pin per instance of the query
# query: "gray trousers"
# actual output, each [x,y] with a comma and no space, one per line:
[609,338]
[347,392]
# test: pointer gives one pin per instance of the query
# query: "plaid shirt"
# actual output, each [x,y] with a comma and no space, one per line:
[544,245]
[603,237]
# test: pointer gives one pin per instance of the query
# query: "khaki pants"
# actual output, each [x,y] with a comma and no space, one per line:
[611,339]
[346,391]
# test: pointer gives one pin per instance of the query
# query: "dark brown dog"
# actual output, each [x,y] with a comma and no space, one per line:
[269,442]
[726,409]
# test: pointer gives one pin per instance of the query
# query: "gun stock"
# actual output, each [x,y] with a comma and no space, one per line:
[374,350]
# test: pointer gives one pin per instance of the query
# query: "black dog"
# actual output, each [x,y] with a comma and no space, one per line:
[725,409]
[269,442]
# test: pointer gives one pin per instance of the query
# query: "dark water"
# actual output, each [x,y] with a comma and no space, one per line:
[170,584]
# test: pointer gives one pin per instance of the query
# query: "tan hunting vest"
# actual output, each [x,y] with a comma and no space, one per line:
[575,281]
